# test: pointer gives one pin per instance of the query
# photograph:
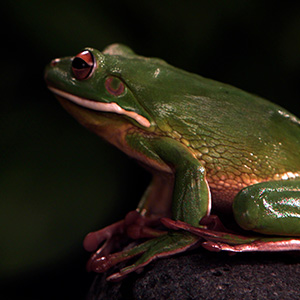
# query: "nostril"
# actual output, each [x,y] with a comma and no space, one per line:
[54,62]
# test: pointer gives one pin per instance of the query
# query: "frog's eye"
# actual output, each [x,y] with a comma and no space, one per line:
[114,86]
[83,65]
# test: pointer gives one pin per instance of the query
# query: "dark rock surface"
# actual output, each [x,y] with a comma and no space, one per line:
[204,275]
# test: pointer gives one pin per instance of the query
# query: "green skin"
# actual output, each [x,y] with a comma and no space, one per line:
[207,144]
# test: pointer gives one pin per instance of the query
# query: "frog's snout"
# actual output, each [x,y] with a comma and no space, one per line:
[48,70]
[54,62]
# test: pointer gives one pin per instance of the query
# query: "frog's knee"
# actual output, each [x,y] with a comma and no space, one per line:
[246,208]
[269,208]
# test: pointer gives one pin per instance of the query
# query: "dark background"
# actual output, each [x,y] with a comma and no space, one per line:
[59,181]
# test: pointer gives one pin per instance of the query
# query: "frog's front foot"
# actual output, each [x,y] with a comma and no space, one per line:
[165,245]
[110,238]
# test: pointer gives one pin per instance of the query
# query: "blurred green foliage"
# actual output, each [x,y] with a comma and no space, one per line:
[58,181]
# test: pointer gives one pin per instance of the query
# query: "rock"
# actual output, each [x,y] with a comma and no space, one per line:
[203,275]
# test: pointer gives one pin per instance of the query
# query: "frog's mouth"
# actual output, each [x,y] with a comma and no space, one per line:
[100,106]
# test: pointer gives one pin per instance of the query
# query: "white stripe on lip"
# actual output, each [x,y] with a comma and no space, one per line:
[98,106]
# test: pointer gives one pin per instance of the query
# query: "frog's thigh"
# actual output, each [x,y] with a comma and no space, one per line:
[271,207]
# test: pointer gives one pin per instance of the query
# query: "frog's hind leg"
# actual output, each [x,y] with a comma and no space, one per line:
[271,209]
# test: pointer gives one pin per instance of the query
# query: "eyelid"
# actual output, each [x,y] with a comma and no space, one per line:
[83,65]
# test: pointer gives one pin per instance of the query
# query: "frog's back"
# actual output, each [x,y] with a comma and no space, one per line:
[240,138]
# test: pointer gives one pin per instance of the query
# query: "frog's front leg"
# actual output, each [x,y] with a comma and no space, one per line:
[190,202]
[141,223]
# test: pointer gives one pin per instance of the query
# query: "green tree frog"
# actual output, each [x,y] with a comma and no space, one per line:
[209,146]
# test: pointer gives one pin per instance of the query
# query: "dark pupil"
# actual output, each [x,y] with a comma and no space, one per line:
[79,63]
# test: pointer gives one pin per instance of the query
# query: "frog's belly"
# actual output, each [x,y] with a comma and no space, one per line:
[223,191]
[222,199]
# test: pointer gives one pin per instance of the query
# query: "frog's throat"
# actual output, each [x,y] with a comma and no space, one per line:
[99,106]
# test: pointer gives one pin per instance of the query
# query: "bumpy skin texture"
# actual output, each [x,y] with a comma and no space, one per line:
[204,142]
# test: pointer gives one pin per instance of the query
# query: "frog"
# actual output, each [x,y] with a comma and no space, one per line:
[214,151]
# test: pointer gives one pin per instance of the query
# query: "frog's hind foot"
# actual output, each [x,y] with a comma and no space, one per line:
[206,233]
[260,245]
[227,241]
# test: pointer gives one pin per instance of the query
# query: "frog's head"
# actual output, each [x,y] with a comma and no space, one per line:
[93,86]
